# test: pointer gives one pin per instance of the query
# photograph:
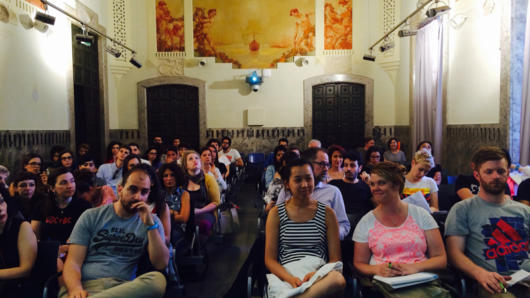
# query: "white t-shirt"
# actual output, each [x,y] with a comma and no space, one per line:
[426,185]
[232,155]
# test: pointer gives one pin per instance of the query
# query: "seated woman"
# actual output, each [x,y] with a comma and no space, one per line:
[301,236]
[393,153]
[279,151]
[178,200]
[18,251]
[153,156]
[209,168]
[336,154]
[219,165]
[415,180]
[276,185]
[373,156]
[203,190]
[66,160]
[397,238]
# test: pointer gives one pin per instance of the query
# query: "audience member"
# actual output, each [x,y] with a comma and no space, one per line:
[176,142]
[66,160]
[373,157]
[324,193]
[88,189]
[18,251]
[172,155]
[112,151]
[83,149]
[467,186]
[152,155]
[279,151]
[4,175]
[111,173]
[415,180]
[276,185]
[336,154]
[314,143]
[55,216]
[32,163]
[131,161]
[394,153]
[230,153]
[134,148]
[203,190]
[301,236]
[54,157]
[181,148]
[368,142]
[523,192]
[488,234]
[295,149]
[178,200]
[397,238]
[26,198]
[210,169]
[225,171]
[356,194]
[436,174]
[215,143]
[107,243]
[283,142]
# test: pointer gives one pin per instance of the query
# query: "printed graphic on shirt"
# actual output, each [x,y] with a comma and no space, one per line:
[474,188]
[59,220]
[117,241]
[410,191]
[507,242]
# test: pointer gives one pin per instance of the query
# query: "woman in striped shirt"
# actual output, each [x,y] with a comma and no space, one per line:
[302,235]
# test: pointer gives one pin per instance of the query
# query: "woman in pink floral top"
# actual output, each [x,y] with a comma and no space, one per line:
[397,238]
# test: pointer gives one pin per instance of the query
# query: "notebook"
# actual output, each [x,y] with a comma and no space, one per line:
[398,282]
[518,276]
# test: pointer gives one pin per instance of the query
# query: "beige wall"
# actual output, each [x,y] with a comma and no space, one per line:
[34,70]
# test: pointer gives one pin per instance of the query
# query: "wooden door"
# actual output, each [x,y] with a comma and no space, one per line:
[338,114]
[173,110]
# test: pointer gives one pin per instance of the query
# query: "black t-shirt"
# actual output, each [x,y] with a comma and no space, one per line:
[523,192]
[26,206]
[356,196]
[9,243]
[468,181]
[57,224]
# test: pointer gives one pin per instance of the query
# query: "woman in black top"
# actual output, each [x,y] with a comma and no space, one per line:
[18,251]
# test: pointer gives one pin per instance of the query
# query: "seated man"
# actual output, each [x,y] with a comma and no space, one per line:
[111,173]
[230,153]
[107,243]
[487,235]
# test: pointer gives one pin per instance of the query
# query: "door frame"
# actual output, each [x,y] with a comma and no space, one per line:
[338,78]
[158,81]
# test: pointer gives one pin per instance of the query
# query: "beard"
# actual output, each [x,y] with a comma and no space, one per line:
[496,187]
[127,206]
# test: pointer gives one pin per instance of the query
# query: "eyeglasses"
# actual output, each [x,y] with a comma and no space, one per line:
[323,164]
[66,158]
[34,164]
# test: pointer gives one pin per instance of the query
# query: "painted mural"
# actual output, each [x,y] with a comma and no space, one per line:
[170,25]
[253,33]
[338,25]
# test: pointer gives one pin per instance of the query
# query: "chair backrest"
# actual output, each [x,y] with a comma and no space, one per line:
[451,179]
[45,265]
[256,158]
[446,196]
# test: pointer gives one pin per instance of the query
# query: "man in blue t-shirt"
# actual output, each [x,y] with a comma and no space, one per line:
[107,243]
[488,234]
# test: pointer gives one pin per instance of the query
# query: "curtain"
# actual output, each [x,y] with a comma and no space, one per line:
[427,94]
[525,100]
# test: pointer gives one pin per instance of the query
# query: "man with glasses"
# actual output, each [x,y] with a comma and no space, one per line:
[324,193]
[230,153]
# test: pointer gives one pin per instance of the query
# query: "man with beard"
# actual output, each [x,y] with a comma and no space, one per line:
[324,193]
[230,153]
[355,192]
[488,234]
[107,243]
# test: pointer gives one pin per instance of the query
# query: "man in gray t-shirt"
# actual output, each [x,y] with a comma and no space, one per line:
[488,234]
[107,243]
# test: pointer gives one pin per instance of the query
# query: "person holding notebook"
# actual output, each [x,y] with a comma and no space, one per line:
[396,238]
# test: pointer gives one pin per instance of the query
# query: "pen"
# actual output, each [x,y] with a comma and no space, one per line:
[502,287]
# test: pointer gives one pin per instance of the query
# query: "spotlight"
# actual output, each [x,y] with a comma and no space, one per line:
[405,32]
[386,46]
[114,52]
[254,81]
[437,10]
[135,63]
[45,18]
[84,39]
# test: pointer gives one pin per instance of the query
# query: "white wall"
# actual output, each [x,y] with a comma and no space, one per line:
[473,87]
